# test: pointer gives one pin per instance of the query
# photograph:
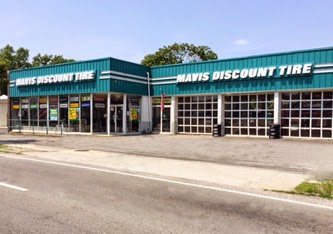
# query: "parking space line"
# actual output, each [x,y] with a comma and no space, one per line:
[13,187]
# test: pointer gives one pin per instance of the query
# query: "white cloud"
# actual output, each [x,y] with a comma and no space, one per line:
[240,42]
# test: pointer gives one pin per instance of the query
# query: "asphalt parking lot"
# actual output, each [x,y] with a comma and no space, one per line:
[302,155]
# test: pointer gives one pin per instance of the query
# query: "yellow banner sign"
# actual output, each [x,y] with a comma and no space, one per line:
[73,113]
[133,114]
[74,105]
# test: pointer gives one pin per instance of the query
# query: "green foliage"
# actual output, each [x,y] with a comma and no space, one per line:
[323,189]
[326,189]
[307,188]
[42,60]
[11,59]
[60,59]
[179,53]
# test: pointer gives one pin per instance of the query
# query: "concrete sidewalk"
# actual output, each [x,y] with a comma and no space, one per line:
[231,175]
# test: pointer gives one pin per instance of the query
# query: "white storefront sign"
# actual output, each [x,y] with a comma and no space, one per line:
[58,78]
[272,71]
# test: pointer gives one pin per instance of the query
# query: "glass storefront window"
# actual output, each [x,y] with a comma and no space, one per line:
[74,113]
[53,111]
[133,113]
[25,111]
[34,111]
[85,112]
[15,113]
[99,113]
[63,111]
[42,115]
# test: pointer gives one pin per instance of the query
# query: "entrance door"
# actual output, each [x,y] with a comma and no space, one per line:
[116,118]
[166,119]
[161,119]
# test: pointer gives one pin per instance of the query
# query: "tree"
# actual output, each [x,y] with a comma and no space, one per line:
[11,59]
[179,53]
[21,58]
[60,59]
[42,60]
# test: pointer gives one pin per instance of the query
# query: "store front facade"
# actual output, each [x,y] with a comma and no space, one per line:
[243,95]
[104,96]
[247,95]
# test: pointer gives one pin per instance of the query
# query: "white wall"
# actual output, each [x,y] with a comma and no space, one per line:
[3,113]
[146,113]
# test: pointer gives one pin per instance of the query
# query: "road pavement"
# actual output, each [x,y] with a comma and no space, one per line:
[73,199]
[245,162]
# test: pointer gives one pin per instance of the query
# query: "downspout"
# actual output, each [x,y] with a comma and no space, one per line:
[149,106]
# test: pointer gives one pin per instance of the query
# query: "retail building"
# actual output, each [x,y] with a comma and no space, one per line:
[244,95]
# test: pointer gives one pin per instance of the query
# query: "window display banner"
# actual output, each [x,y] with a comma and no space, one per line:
[74,105]
[133,114]
[53,114]
[73,113]
[157,101]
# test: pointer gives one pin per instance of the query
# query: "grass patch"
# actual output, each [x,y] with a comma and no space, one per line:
[3,147]
[322,189]
[7,149]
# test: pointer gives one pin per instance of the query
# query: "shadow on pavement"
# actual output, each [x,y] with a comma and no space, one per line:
[17,141]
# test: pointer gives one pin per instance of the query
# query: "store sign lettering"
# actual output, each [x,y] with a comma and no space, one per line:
[281,71]
[58,78]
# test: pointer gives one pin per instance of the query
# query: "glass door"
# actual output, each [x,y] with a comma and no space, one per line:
[166,119]
[116,118]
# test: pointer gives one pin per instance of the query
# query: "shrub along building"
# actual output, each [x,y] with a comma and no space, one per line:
[244,95]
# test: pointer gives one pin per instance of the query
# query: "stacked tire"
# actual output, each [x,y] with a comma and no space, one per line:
[275,131]
[217,130]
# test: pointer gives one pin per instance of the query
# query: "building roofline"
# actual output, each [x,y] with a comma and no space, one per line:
[75,62]
[247,57]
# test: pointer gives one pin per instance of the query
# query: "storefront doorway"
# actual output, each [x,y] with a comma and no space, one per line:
[100,113]
[161,119]
[116,118]
[166,119]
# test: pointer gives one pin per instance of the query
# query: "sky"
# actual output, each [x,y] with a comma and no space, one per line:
[131,29]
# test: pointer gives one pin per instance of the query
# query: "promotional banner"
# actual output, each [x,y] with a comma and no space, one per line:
[133,114]
[74,105]
[53,114]
[73,113]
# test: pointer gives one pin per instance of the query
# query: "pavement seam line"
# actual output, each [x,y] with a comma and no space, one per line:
[174,182]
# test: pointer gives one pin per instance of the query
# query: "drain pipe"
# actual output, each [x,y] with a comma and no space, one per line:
[149,106]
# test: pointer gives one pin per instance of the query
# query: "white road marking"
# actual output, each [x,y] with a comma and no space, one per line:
[175,182]
[13,187]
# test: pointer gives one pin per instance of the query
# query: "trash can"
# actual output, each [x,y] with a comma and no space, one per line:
[217,130]
[274,131]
